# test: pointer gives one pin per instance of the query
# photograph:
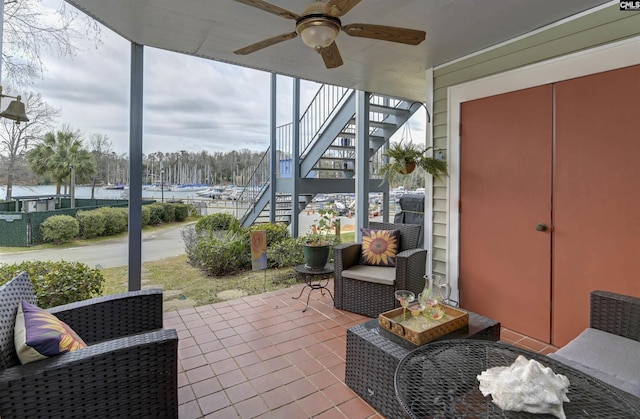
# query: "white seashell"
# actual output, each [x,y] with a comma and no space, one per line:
[526,386]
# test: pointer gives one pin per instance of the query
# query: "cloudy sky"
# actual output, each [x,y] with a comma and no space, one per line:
[189,103]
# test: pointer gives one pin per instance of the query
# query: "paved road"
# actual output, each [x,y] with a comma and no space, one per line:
[156,245]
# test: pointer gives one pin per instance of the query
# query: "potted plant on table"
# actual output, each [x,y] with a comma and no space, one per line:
[316,245]
[405,156]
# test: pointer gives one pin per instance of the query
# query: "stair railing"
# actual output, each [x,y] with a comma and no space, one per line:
[321,108]
[312,121]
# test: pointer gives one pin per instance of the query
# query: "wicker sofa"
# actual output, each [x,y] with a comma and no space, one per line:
[128,369]
[610,348]
[370,291]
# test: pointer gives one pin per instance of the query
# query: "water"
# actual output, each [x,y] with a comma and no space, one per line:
[84,192]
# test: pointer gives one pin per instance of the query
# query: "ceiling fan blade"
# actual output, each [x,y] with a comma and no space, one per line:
[385,33]
[265,43]
[331,56]
[337,8]
[271,8]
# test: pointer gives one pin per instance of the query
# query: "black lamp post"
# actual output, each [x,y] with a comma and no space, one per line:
[162,185]
[72,186]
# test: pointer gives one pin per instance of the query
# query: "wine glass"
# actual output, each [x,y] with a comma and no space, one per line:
[416,308]
[405,297]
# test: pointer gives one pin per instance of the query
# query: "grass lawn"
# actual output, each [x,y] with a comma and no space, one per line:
[186,286]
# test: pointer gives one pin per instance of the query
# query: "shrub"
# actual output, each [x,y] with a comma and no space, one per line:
[59,228]
[223,256]
[157,211]
[168,212]
[57,282]
[219,221]
[221,246]
[287,252]
[275,232]
[116,220]
[190,238]
[92,223]
[146,215]
[181,211]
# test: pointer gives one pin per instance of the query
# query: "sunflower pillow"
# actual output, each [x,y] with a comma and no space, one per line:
[379,247]
[39,334]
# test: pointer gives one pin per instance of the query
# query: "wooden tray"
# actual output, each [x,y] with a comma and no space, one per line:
[420,330]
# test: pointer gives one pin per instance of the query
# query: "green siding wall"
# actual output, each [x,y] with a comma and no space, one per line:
[598,28]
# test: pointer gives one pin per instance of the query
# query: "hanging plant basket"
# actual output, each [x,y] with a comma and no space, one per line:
[409,167]
[404,156]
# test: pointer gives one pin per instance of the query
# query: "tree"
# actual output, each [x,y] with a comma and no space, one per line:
[56,153]
[17,138]
[101,150]
[30,28]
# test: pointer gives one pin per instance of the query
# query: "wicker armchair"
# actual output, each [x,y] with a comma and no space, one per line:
[372,296]
[610,348]
[128,369]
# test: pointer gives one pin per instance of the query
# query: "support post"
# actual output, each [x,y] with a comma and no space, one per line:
[363,154]
[135,168]
[273,149]
[429,181]
[295,159]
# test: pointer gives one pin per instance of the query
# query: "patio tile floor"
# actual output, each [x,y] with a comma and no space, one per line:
[262,357]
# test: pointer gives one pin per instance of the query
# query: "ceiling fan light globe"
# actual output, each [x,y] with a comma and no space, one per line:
[318,34]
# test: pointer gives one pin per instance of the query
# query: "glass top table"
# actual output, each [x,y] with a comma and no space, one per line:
[438,380]
[373,353]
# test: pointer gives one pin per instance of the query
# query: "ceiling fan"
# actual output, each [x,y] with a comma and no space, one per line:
[319,25]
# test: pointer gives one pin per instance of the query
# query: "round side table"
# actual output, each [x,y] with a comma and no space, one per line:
[315,279]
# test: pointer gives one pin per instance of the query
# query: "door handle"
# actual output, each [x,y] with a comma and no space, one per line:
[541,227]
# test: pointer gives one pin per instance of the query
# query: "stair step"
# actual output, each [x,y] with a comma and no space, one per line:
[388,110]
[328,169]
[352,135]
[377,124]
[342,159]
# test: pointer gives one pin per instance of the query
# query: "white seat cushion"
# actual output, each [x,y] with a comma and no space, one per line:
[611,358]
[377,274]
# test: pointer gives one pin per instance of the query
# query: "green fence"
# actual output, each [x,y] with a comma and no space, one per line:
[7,206]
[19,229]
[13,229]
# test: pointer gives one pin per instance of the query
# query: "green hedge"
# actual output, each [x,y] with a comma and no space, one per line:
[60,228]
[59,282]
[116,220]
[156,213]
[182,212]
[92,223]
[104,221]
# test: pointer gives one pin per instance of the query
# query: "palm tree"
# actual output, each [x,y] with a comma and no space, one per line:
[56,153]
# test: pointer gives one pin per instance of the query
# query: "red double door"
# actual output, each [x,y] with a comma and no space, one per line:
[550,202]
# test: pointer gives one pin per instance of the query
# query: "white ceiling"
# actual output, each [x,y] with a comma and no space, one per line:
[213,29]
